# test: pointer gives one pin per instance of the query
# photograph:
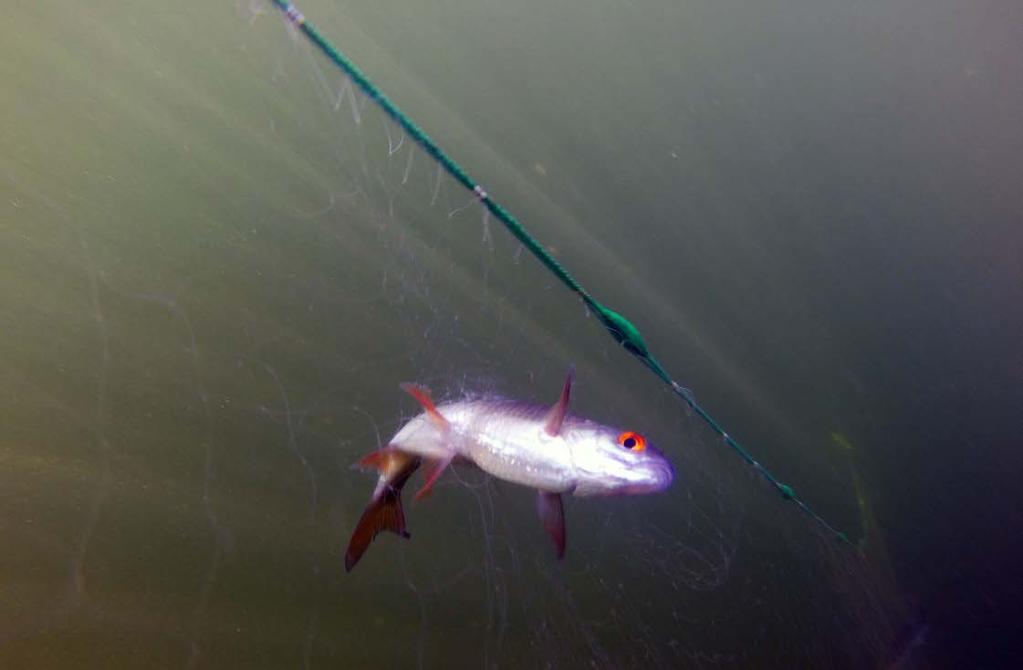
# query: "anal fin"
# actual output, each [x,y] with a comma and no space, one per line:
[433,473]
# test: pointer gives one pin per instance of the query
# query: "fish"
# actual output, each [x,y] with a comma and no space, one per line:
[540,447]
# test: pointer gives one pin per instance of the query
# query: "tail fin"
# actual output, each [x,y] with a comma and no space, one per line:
[384,512]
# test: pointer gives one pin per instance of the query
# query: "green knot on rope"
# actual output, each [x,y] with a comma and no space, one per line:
[622,330]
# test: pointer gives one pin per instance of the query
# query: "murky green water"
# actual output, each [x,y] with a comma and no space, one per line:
[217,262]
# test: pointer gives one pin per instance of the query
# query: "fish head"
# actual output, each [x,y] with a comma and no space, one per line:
[611,462]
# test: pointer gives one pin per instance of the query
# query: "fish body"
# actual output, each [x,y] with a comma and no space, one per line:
[543,448]
[508,440]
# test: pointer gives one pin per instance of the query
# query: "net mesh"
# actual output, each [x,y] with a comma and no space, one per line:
[211,318]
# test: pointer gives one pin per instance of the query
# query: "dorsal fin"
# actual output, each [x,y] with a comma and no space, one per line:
[422,394]
[556,417]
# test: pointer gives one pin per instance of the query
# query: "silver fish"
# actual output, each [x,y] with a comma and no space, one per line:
[540,447]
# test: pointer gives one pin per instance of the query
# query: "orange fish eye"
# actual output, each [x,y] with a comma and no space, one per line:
[632,441]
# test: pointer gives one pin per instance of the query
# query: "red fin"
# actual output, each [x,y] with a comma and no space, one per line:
[552,514]
[384,511]
[422,394]
[432,475]
[379,460]
[556,416]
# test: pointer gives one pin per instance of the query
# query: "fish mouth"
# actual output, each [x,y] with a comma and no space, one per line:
[664,475]
[654,477]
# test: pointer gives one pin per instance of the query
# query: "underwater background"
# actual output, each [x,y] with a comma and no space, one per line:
[218,260]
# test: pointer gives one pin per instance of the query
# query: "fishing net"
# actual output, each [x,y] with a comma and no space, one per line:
[208,313]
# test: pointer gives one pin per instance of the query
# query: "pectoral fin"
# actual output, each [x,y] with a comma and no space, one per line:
[556,417]
[552,514]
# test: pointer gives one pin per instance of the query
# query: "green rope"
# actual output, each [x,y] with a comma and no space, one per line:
[620,328]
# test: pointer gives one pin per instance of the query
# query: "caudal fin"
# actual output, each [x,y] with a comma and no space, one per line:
[384,512]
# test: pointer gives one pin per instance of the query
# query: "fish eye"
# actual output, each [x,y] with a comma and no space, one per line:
[632,441]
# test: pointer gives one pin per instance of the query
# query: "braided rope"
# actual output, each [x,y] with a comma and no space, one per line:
[619,327]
